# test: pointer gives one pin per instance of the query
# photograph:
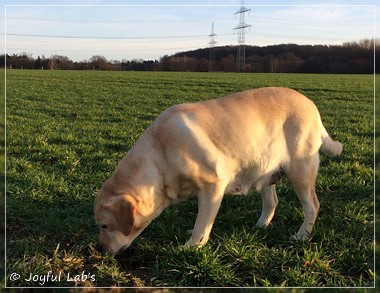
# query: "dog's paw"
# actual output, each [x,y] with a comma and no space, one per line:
[301,237]
[263,225]
[188,246]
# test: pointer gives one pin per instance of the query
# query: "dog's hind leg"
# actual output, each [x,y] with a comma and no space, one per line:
[270,201]
[209,200]
[303,174]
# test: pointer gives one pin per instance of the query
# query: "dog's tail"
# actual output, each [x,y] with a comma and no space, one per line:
[330,146]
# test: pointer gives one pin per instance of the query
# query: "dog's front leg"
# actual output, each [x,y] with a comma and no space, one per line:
[209,201]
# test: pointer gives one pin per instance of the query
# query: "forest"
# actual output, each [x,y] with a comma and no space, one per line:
[350,57]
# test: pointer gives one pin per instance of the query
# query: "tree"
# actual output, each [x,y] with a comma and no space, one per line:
[23,61]
[38,63]
[60,62]
[99,62]
[227,64]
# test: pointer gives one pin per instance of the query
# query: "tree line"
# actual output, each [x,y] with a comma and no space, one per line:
[59,62]
[350,57]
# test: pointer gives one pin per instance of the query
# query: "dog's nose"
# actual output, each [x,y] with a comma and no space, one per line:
[99,247]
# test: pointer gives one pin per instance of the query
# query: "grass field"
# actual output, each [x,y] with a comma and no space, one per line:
[66,132]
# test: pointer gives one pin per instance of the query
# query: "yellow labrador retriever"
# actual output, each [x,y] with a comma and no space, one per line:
[231,145]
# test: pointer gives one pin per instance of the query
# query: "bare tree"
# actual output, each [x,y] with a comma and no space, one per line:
[99,62]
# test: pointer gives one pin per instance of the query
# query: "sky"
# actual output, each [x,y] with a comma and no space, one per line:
[149,30]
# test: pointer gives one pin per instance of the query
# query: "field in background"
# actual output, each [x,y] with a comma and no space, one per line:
[67,130]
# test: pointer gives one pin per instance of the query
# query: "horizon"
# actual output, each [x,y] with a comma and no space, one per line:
[179,52]
[149,32]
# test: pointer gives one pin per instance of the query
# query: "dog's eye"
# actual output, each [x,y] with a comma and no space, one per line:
[104,226]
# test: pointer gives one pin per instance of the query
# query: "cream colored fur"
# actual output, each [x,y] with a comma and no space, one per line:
[242,142]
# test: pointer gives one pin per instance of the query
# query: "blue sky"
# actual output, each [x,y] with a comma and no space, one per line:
[151,29]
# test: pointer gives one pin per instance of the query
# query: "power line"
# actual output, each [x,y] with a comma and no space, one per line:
[309,23]
[262,20]
[105,50]
[29,19]
[105,37]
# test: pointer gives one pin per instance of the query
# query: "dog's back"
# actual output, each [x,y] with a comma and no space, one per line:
[258,130]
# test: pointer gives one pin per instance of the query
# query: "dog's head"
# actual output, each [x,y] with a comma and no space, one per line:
[119,221]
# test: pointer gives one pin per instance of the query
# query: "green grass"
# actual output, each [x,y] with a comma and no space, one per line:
[66,131]
[2,172]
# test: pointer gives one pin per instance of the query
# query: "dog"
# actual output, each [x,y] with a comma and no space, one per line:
[231,145]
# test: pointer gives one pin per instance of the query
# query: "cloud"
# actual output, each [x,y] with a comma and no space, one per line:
[326,14]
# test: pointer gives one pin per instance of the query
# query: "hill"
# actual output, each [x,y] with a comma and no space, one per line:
[353,57]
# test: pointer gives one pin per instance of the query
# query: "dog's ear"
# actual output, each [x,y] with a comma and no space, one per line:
[124,214]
